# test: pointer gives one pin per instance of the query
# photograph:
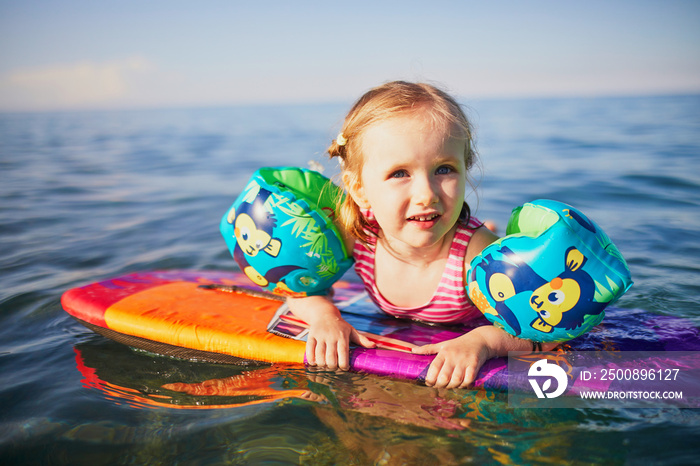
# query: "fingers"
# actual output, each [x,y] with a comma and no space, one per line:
[361,340]
[343,355]
[333,355]
[311,351]
[434,371]
[425,349]
[470,376]
[445,374]
[448,377]
[311,396]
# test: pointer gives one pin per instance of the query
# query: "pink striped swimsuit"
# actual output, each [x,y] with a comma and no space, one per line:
[449,303]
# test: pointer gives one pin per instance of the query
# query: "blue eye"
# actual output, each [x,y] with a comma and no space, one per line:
[444,170]
[399,174]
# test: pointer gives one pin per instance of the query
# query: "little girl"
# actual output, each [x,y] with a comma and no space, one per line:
[405,150]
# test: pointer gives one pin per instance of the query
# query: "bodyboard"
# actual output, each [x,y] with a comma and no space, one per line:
[194,315]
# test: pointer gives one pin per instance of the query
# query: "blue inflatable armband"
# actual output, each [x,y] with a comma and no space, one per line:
[551,278]
[280,231]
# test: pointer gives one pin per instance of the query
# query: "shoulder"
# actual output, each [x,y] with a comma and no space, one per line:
[481,238]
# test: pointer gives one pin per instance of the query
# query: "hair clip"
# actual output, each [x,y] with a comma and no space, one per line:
[341,140]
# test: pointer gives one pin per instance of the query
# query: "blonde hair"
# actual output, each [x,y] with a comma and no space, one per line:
[391,100]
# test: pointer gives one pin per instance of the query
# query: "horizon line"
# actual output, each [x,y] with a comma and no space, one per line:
[462,99]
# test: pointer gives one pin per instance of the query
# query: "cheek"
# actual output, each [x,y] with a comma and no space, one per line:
[457,186]
[453,191]
[374,191]
[387,203]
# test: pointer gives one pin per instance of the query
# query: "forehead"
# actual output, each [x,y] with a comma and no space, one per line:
[411,135]
[422,116]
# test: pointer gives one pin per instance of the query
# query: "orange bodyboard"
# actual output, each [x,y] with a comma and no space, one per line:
[173,308]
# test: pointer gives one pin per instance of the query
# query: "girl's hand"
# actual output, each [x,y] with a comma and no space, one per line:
[457,362]
[328,343]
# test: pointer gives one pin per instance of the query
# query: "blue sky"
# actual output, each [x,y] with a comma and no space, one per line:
[75,54]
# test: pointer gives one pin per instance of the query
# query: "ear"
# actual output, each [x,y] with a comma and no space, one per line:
[231,215]
[273,248]
[355,190]
[574,259]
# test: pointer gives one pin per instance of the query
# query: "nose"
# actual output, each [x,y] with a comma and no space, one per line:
[424,191]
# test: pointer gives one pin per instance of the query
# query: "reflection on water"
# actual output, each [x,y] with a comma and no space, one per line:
[295,414]
[141,380]
[244,387]
[114,370]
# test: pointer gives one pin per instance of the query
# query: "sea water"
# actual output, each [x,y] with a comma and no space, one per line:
[89,195]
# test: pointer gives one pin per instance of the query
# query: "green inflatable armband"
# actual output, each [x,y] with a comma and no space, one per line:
[281,233]
[551,277]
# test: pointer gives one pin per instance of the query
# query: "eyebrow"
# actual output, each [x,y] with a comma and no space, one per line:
[440,160]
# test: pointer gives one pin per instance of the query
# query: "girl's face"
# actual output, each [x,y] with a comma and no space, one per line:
[413,178]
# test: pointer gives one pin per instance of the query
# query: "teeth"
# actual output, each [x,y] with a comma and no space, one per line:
[426,218]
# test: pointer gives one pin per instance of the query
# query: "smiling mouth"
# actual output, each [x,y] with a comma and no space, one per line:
[424,218]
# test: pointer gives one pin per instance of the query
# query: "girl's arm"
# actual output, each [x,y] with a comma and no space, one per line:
[329,339]
[458,361]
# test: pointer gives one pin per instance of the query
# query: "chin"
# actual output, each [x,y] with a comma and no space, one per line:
[424,240]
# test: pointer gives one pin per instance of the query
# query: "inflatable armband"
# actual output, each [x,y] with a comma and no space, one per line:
[281,234]
[551,278]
